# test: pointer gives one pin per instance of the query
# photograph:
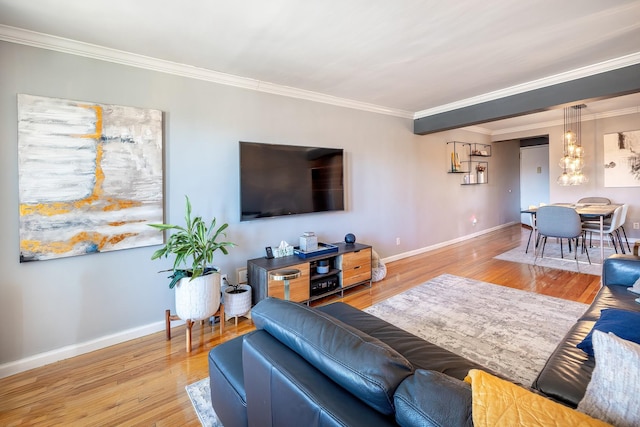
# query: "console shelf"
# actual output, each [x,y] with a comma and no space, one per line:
[349,267]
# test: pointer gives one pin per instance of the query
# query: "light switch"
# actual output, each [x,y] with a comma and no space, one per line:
[539,169]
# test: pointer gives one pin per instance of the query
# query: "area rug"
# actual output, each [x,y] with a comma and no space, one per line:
[509,331]
[200,395]
[552,257]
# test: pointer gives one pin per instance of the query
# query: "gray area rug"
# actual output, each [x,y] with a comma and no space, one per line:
[509,331]
[552,257]
[200,395]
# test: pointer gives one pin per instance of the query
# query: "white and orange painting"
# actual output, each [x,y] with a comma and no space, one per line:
[90,177]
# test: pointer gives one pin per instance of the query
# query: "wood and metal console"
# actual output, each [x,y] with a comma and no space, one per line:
[350,266]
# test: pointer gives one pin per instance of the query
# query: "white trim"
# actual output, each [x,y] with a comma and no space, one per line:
[559,122]
[73,47]
[478,129]
[590,70]
[69,351]
[447,243]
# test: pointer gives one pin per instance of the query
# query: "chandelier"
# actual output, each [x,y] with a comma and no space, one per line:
[572,160]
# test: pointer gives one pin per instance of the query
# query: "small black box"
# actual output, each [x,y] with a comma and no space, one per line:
[319,287]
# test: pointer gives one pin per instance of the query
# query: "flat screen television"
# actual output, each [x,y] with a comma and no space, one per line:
[278,180]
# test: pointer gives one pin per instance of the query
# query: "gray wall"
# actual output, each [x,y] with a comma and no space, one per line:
[397,187]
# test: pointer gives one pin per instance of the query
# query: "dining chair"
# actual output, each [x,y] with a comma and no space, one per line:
[623,219]
[561,222]
[531,226]
[595,200]
[610,227]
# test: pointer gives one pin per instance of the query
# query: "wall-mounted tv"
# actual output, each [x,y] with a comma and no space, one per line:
[277,180]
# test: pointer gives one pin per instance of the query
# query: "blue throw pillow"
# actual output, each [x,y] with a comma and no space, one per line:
[623,323]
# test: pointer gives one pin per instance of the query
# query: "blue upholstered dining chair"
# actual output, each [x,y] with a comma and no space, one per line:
[563,223]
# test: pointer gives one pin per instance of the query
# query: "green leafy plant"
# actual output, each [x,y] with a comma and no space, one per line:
[193,246]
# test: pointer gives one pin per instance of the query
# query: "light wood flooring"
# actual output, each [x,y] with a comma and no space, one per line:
[142,382]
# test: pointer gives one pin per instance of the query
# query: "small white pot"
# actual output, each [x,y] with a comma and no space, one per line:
[237,304]
[198,299]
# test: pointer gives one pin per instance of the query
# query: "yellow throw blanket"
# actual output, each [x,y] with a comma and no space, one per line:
[497,403]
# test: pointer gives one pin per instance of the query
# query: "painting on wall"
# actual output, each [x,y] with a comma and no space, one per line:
[89,175]
[622,159]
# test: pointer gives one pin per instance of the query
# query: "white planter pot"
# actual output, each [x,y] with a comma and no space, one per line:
[198,299]
[237,304]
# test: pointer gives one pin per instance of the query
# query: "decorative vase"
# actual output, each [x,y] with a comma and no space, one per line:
[198,299]
[237,303]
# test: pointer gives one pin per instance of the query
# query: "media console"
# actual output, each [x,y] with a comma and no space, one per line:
[350,266]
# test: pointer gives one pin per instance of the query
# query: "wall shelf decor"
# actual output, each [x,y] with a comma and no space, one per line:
[464,158]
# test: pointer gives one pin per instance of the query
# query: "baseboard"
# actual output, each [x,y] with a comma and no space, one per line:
[447,243]
[62,353]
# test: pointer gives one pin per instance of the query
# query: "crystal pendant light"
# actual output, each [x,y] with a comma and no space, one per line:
[572,160]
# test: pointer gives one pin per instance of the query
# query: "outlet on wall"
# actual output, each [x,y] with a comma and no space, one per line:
[241,275]
[398,241]
[636,225]
[223,280]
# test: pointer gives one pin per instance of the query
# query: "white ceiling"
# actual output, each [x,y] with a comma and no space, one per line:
[414,56]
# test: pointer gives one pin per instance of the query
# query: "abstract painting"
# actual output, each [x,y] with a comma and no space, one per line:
[622,159]
[90,177]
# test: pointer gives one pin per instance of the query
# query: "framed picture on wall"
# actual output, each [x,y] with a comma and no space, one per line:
[622,159]
[90,177]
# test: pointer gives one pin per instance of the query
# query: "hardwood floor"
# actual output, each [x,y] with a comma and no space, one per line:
[142,382]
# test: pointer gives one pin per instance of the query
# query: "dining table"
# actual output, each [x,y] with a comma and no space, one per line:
[587,212]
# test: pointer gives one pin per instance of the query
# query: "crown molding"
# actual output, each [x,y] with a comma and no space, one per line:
[578,73]
[560,122]
[73,47]
[88,50]
[478,129]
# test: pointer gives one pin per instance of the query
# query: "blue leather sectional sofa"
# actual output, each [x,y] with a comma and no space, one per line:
[338,366]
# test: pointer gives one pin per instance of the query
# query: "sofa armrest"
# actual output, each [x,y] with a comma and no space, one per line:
[620,270]
[360,363]
[282,389]
[433,399]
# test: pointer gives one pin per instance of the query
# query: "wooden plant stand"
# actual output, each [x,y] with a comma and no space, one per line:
[189,324]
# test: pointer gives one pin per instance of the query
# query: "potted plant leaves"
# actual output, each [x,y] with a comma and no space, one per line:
[195,280]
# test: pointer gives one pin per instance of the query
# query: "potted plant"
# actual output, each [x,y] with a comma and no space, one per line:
[196,281]
[237,300]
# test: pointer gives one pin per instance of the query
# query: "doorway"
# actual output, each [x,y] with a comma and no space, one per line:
[534,174]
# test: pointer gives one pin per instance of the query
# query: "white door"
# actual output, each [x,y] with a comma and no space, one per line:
[534,177]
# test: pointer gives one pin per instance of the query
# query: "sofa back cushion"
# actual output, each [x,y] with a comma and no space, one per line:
[433,399]
[365,366]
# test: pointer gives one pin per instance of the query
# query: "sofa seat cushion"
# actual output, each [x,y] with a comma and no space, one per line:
[362,364]
[420,353]
[433,399]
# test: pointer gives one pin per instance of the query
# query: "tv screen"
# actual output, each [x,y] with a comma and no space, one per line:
[277,180]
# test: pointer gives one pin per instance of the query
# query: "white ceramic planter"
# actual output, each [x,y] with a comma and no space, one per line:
[198,299]
[237,304]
